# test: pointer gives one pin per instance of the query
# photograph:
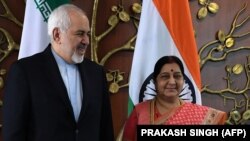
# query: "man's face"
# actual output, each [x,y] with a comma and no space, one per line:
[75,40]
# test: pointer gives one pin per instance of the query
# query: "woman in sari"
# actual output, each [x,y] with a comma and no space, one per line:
[167,108]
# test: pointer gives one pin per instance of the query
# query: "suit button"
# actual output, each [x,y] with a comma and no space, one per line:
[77,131]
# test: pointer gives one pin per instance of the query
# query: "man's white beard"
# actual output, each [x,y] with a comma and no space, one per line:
[77,58]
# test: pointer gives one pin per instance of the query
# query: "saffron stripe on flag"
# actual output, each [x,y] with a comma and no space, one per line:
[181,29]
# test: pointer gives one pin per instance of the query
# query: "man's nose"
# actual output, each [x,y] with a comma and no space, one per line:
[85,39]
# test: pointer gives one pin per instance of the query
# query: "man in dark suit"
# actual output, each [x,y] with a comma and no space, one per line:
[58,95]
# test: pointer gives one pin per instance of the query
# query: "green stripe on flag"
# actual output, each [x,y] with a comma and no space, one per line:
[130,106]
[47,6]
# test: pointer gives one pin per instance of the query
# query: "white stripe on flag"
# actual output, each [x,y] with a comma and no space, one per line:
[34,35]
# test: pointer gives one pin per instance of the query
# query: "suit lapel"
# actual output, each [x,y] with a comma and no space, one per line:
[82,69]
[56,80]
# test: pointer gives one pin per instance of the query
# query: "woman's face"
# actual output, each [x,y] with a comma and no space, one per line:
[169,82]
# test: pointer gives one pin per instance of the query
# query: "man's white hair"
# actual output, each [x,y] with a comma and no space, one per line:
[59,18]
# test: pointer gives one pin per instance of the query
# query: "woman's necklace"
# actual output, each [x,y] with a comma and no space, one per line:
[163,117]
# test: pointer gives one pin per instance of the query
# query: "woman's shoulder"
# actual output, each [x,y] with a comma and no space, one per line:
[211,112]
[212,115]
[143,104]
[193,105]
[198,107]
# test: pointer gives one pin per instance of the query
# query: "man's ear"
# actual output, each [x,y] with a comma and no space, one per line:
[57,35]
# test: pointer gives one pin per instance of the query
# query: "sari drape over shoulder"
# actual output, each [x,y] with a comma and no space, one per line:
[146,113]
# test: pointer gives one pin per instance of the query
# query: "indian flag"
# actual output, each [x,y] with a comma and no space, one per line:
[35,34]
[165,29]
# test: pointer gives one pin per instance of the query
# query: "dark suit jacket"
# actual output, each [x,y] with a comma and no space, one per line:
[37,108]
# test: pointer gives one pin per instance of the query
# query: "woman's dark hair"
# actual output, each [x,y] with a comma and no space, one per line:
[167,60]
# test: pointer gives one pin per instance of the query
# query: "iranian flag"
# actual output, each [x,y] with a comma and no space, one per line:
[165,29]
[35,34]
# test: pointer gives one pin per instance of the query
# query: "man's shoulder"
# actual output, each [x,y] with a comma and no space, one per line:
[36,58]
[89,62]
